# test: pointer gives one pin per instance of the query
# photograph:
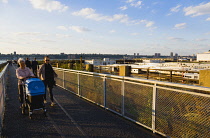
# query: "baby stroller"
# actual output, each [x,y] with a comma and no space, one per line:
[34,96]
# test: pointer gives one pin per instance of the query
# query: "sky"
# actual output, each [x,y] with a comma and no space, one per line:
[105,26]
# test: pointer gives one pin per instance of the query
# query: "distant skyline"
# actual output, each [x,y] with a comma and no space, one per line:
[105,26]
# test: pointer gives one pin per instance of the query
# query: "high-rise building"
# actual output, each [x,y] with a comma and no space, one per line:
[171,54]
[15,53]
[157,55]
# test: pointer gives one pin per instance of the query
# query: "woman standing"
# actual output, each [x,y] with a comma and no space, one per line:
[47,74]
[22,74]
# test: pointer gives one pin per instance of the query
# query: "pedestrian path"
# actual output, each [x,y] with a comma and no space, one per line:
[70,117]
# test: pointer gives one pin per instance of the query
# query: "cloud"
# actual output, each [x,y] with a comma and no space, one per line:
[201,39]
[79,29]
[29,34]
[201,9]
[123,8]
[46,41]
[130,1]
[175,39]
[48,5]
[43,40]
[134,34]
[175,9]
[62,28]
[4,1]
[90,13]
[112,31]
[146,22]
[208,33]
[86,40]
[208,19]
[62,35]
[136,4]
[180,26]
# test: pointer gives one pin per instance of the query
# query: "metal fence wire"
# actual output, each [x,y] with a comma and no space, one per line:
[113,95]
[71,82]
[138,102]
[172,110]
[180,114]
[91,87]
[59,79]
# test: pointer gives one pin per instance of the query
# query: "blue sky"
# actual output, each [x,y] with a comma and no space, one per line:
[105,26]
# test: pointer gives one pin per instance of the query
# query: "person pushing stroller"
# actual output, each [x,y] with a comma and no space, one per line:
[22,74]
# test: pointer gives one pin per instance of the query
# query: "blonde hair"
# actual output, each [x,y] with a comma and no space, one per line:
[20,59]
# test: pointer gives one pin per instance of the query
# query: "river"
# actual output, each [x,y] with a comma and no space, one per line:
[2,61]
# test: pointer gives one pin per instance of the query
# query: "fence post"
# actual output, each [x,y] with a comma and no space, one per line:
[63,79]
[154,107]
[123,97]
[78,81]
[81,63]
[100,69]
[104,83]
[147,73]
[171,76]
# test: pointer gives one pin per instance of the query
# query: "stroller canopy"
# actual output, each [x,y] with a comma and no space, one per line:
[34,86]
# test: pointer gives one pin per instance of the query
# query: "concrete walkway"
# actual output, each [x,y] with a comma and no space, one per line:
[71,117]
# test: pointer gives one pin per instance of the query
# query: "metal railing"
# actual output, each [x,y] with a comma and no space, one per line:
[170,109]
[3,80]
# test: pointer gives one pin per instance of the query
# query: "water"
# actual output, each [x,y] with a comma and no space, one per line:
[2,61]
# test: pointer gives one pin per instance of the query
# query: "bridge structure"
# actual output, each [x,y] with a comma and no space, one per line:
[101,105]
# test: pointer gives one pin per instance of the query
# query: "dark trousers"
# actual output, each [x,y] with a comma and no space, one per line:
[48,84]
[34,71]
[20,92]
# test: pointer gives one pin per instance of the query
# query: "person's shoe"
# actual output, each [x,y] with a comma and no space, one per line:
[52,104]
[45,101]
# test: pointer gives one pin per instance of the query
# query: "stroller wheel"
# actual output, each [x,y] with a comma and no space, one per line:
[45,112]
[30,114]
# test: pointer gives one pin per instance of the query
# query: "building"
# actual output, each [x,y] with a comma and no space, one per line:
[153,61]
[105,61]
[171,55]
[205,57]
[157,55]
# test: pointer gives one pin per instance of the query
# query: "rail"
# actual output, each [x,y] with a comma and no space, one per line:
[170,109]
[3,80]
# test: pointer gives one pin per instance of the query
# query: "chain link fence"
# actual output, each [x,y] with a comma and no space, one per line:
[181,114]
[91,87]
[172,110]
[71,82]
[138,102]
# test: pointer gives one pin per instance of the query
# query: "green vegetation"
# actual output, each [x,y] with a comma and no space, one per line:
[66,64]
[2,66]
